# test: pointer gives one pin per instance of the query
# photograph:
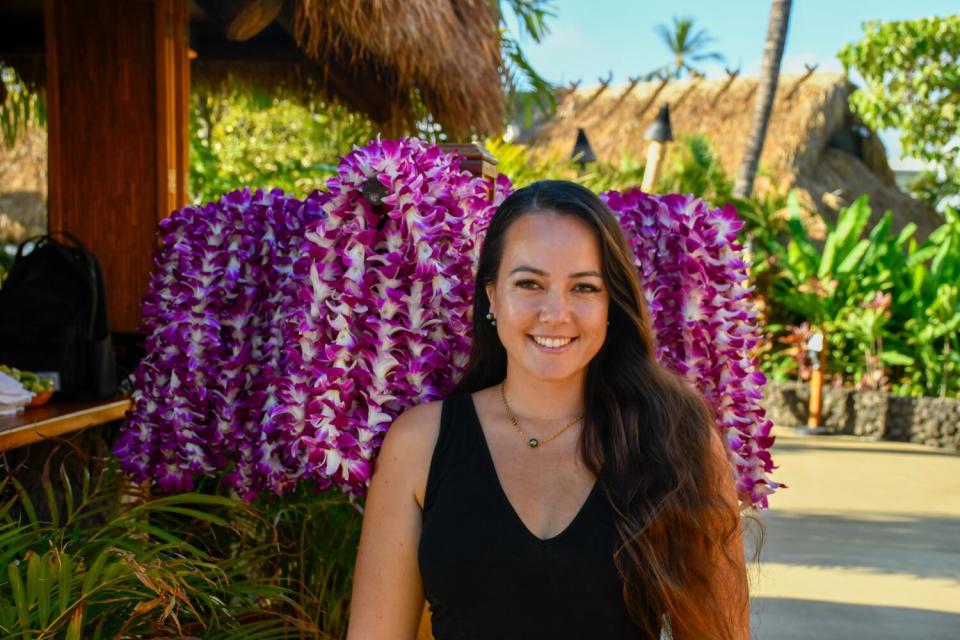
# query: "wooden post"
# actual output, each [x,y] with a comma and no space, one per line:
[817,350]
[476,159]
[117,90]
[173,100]
[656,152]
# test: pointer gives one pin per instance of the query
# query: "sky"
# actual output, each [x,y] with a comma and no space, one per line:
[590,38]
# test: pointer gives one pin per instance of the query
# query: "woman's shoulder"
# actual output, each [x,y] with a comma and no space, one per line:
[410,441]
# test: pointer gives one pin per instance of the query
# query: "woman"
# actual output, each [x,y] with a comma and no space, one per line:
[572,487]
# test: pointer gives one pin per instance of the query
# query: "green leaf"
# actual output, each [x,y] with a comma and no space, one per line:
[67,492]
[897,359]
[854,258]
[33,577]
[93,573]
[64,581]
[25,501]
[43,590]
[51,502]
[19,597]
[75,628]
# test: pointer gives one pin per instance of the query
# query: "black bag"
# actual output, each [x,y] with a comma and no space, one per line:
[53,318]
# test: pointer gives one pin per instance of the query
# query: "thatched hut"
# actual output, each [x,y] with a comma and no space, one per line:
[117,77]
[815,144]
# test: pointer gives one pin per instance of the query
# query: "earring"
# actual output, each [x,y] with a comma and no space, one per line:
[608,323]
[493,321]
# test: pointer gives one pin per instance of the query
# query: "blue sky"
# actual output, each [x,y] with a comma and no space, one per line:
[589,38]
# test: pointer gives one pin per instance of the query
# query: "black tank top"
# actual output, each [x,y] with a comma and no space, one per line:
[486,576]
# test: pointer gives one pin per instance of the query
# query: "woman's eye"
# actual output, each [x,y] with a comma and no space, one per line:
[586,288]
[581,287]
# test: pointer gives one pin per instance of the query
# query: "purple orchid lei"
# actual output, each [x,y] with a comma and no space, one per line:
[386,291]
[284,336]
[218,286]
[694,281]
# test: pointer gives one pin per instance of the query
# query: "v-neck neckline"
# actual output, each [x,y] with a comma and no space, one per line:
[506,500]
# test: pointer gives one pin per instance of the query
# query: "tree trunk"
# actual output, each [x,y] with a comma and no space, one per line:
[766,91]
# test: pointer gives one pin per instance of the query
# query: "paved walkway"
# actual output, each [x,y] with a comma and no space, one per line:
[865,543]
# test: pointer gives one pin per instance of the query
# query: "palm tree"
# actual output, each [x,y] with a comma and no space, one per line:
[686,46]
[766,90]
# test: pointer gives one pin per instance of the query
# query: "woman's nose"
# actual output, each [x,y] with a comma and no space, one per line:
[556,307]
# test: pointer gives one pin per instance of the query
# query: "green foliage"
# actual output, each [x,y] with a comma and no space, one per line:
[247,139]
[911,71]
[315,537]
[98,559]
[889,307]
[20,106]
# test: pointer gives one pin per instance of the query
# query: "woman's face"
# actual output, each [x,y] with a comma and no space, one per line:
[549,300]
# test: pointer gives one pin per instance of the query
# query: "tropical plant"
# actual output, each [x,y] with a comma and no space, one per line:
[888,306]
[525,86]
[99,558]
[823,287]
[766,91]
[910,71]
[687,46]
[931,307]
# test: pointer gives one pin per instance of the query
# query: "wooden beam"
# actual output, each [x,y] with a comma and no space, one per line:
[810,69]
[253,18]
[241,19]
[731,76]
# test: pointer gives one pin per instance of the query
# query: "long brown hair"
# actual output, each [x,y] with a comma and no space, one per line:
[646,435]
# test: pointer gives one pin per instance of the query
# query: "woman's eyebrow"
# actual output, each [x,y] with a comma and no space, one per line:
[541,272]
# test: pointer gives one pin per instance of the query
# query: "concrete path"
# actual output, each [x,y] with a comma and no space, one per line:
[865,542]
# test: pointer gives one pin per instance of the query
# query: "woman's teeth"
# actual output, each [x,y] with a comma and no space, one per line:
[553,343]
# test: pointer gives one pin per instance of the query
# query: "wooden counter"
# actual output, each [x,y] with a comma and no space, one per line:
[57,419]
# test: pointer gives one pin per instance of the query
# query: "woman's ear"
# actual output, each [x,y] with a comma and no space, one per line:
[491,293]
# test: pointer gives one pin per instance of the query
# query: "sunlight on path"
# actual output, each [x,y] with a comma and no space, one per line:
[865,542]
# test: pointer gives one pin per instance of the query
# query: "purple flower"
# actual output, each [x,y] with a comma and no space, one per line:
[284,336]
[694,277]
[385,324]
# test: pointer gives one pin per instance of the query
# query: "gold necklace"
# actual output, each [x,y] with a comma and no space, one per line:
[533,442]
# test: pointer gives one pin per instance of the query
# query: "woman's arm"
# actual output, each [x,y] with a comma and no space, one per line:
[387,593]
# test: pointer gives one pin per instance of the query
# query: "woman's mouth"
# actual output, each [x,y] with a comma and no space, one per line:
[552,344]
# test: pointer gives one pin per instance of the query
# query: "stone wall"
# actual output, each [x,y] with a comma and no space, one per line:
[934,422]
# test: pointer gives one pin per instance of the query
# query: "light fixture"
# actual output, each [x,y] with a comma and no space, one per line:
[582,152]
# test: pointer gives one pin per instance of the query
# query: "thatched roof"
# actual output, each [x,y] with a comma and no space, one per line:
[814,143]
[380,57]
[386,58]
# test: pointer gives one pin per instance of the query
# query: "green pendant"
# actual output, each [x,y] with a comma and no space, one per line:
[533,442]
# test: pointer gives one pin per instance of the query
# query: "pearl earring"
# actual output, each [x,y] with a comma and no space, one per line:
[493,321]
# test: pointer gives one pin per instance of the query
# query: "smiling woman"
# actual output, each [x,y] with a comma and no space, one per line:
[511,522]
[549,300]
